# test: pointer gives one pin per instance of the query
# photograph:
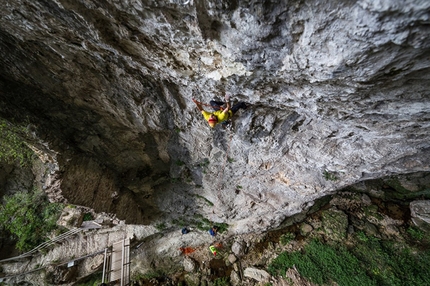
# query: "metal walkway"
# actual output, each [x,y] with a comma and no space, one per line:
[116,266]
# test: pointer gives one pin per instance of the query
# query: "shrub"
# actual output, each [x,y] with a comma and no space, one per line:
[88,217]
[286,238]
[415,233]
[329,176]
[222,281]
[362,236]
[29,217]
[205,199]
[161,226]
[12,145]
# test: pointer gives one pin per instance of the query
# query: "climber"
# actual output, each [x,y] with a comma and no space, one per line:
[220,115]
[213,231]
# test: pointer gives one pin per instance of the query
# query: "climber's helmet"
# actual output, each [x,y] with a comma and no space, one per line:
[213,120]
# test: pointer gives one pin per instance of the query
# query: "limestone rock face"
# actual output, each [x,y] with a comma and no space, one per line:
[257,274]
[420,213]
[339,93]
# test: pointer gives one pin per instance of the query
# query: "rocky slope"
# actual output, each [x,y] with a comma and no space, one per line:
[339,93]
[364,212]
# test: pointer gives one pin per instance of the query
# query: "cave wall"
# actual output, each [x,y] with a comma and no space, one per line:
[339,93]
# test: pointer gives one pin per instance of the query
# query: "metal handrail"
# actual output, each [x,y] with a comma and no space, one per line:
[45,244]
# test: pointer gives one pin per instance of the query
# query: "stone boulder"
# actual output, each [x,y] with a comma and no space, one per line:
[257,274]
[232,258]
[420,213]
[238,248]
[335,224]
[71,217]
[189,264]
[235,278]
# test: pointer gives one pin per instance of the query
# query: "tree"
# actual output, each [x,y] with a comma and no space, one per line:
[12,146]
[29,217]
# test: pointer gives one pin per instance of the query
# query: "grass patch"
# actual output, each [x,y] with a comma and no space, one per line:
[222,281]
[200,223]
[329,176]
[93,280]
[88,217]
[203,165]
[160,226]
[361,236]
[415,233]
[321,264]
[205,199]
[222,227]
[370,262]
[286,238]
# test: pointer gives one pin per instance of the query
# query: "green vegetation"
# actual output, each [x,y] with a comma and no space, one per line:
[222,281]
[29,217]
[329,176]
[200,223]
[415,233]
[230,160]
[175,180]
[362,236]
[370,262]
[94,280]
[203,164]
[286,238]
[88,217]
[12,145]
[153,274]
[160,226]
[137,276]
[205,199]
[399,192]
[221,227]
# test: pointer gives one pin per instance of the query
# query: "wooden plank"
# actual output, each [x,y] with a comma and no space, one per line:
[116,264]
[120,262]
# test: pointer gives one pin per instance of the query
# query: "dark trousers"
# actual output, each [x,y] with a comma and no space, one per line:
[217,104]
